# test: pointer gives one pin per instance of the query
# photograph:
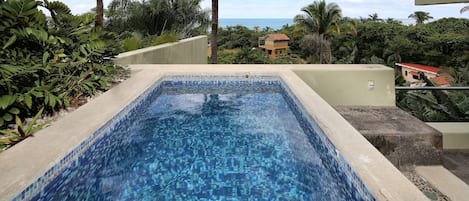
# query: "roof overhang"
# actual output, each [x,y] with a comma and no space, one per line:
[432,2]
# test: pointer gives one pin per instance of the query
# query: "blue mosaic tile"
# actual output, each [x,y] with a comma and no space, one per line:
[158,149]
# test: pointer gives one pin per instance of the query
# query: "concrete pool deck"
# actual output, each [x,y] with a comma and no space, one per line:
[31,158]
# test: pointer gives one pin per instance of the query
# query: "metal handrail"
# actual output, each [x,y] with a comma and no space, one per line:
[432,88]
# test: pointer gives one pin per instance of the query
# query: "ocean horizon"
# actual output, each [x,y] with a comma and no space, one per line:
[274,23]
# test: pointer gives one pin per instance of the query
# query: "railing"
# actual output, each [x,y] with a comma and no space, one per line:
[432,88]
[455,132]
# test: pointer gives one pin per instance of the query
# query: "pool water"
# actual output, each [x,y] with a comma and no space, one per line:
[233,142]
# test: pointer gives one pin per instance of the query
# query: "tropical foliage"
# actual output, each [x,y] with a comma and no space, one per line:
[132,42]
[319,23]
[49,64]
[437,105]
[155,17]
[317,37]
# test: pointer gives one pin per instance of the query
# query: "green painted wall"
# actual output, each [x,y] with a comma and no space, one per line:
[351,85]
[187,51]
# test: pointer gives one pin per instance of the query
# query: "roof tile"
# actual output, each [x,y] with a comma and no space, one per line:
[277,37]
[420,67]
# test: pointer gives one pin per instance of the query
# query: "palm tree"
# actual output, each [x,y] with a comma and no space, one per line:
[213,42]
[320,18]
[256,29]
[321,21]
[374,18]
[99,13]
[420,17]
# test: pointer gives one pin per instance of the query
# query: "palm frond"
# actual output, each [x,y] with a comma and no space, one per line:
[464,9]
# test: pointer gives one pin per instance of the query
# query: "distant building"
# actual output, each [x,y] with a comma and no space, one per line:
[274,45]
[412,74]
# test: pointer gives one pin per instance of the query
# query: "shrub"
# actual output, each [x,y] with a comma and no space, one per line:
[165,38]
[50,64]
[131,43]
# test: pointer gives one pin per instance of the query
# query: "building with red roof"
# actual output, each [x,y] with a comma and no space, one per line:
[274,45]
[413,73]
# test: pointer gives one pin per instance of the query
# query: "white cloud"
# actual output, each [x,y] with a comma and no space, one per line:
[399,9]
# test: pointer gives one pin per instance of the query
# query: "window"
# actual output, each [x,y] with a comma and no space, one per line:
[417,77]
[269,52]
[405,73]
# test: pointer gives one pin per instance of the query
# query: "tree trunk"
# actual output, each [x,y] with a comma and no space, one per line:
[213,42]
[99,13]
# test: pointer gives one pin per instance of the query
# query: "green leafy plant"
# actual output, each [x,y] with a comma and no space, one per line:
[23,130]
[155,17]
[50,63]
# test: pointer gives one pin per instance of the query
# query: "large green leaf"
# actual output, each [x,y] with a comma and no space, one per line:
[10,42]
[14,110]
[32,127]
[10,134]
[45,57]
[6,100]
[7,117]
[28,100]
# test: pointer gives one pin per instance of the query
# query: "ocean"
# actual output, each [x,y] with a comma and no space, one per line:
[275,23]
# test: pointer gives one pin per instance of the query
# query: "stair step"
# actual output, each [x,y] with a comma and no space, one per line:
[446,182]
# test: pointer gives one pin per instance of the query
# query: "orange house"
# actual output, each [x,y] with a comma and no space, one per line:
[274,45]
[411,73]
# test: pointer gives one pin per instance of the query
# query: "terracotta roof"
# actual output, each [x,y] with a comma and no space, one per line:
[277,37]
[441,80]
[420,67]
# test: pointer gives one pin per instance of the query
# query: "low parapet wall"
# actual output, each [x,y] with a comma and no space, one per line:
[350,85]
[187,51]
[455,134]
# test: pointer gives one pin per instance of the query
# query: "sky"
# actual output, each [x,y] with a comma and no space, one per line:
[398,9]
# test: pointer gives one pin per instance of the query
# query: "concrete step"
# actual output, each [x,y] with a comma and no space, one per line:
[400,137]
[446,182]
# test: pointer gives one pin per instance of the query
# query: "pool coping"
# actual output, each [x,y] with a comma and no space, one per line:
[26,162]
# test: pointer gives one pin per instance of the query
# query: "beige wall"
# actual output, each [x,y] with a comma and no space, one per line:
[187,51]
[455,135]
[358,85]
[276,45]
